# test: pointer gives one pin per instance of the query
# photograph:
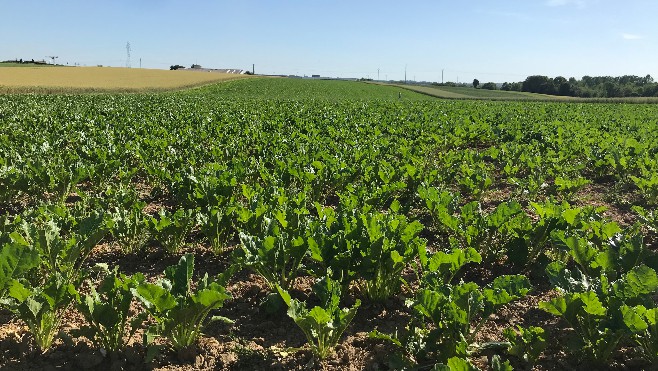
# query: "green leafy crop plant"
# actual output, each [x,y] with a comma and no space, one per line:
[273,236]
[172,228]
[389,243]
[598,295]
[41,306]
[324,324]
[180,313]
[107,311]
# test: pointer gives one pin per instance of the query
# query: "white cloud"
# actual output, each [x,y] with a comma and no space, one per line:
[579,3]
[630,36]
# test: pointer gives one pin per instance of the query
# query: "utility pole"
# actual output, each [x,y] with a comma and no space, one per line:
[378,74]
[442,76]
[405,73]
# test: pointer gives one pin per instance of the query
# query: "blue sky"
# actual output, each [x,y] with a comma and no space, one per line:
[502,40]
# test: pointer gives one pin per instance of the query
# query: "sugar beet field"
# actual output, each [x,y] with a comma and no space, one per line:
[292,224]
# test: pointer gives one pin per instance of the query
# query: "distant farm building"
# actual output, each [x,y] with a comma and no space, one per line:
[236,71]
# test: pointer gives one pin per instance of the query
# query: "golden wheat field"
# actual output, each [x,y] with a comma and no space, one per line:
[102,79]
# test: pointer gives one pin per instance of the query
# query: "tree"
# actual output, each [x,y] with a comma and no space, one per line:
[514,86]
[562,86]
[611,90]
[489,86]
[557,81]
[538,84]
[650,90]
[588,81]
[647,80]
[565,89]
[476,82]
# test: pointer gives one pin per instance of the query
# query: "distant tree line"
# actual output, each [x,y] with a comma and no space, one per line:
[24,61]
[588,86]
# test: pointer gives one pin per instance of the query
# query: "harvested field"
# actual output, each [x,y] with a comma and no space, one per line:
[102,79]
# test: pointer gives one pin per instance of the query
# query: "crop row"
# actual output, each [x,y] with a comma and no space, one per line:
[540,150]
